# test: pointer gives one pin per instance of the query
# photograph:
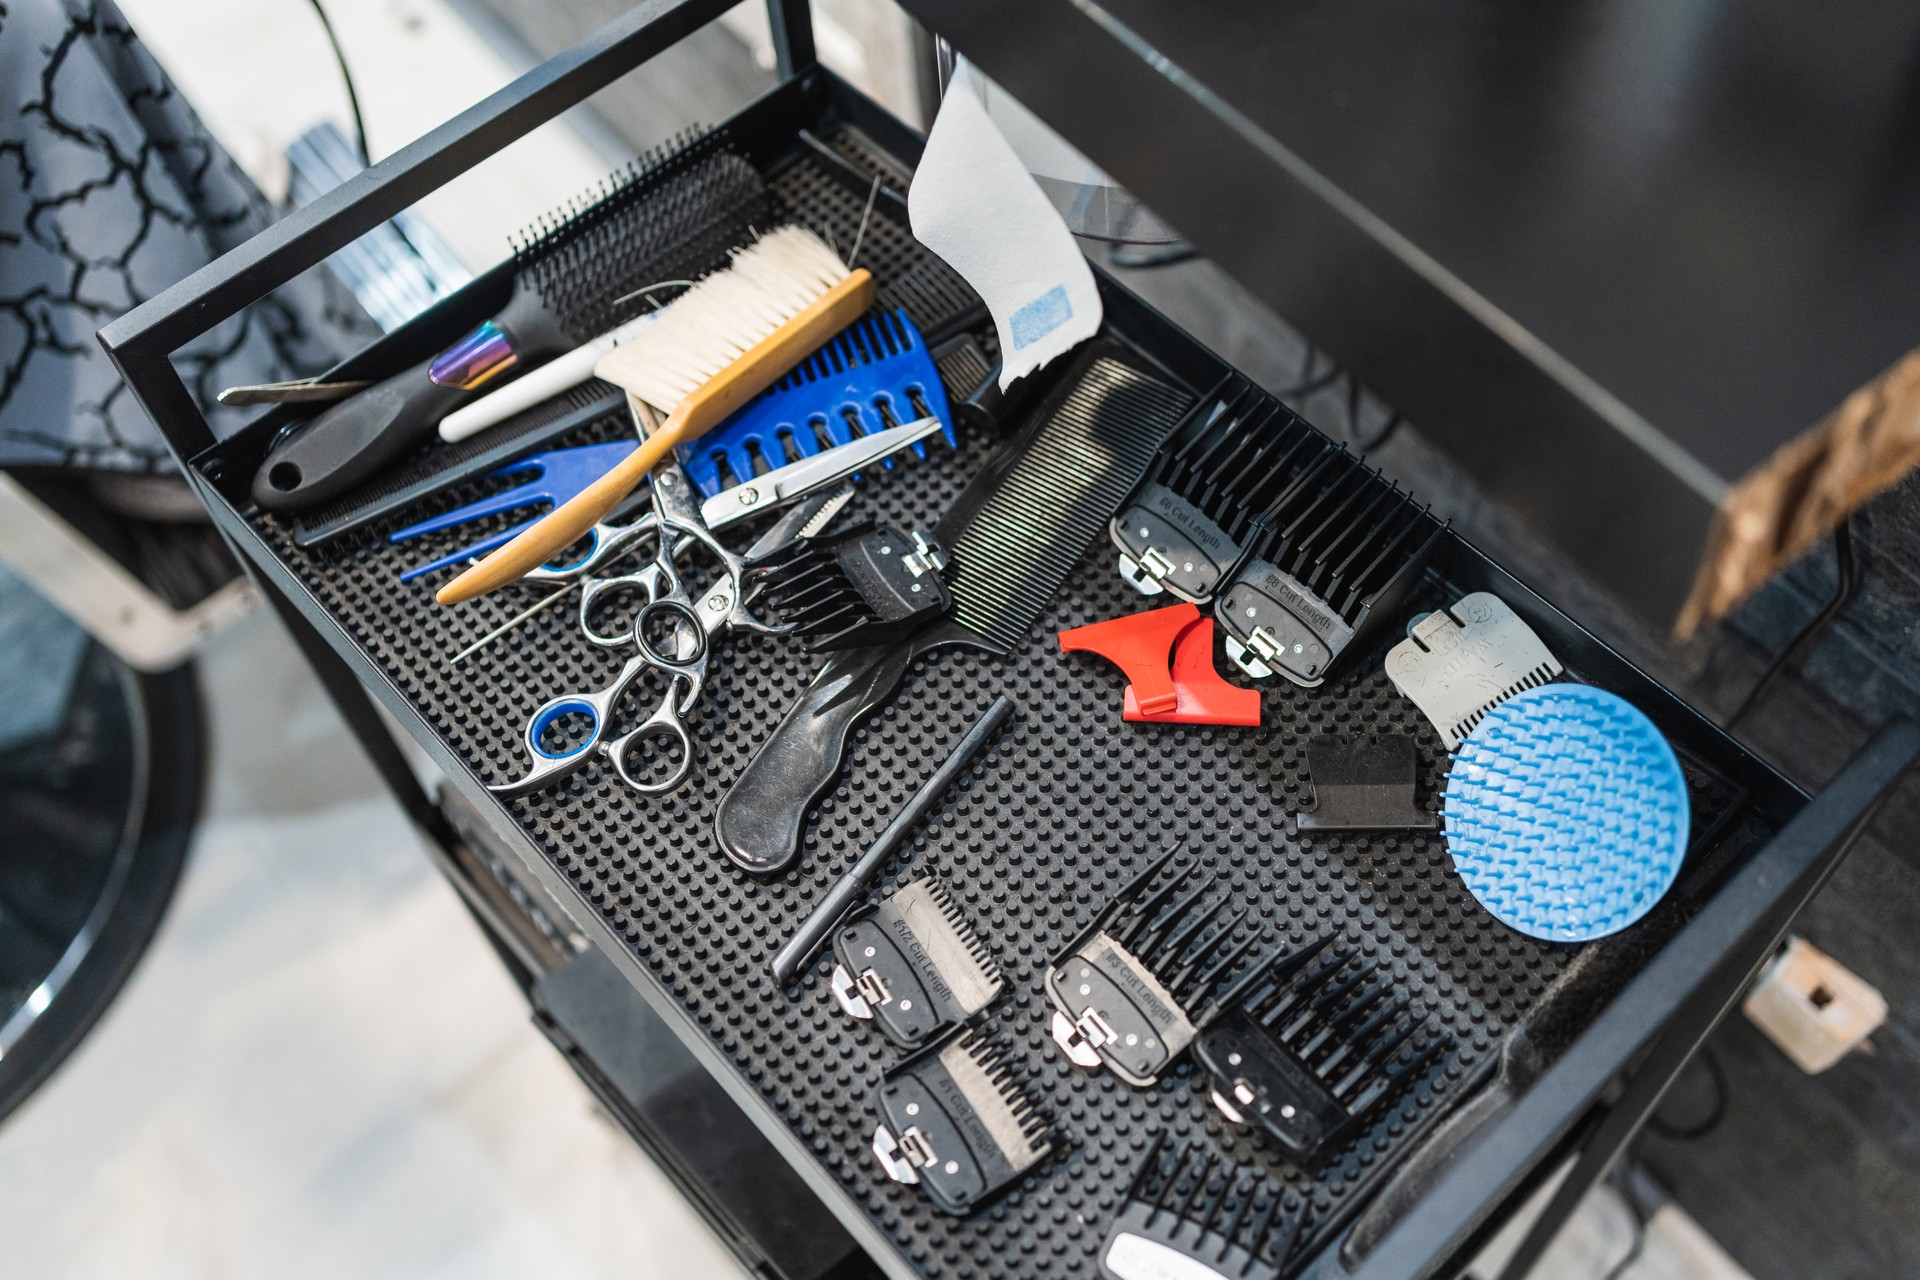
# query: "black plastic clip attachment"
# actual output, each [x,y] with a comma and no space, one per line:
[1133,990]
[957,1124]
[1318,1043]
[1299,546]
[870,584]
[913,965]
[1365,784]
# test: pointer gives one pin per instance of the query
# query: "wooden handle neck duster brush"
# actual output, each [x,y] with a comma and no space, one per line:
[721,343]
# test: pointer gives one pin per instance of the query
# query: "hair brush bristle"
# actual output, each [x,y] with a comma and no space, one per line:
[712,324]
[673,214]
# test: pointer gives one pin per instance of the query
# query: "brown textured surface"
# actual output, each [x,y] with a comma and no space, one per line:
[1812,483]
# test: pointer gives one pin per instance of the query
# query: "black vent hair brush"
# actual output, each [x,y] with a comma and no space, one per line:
[673,214]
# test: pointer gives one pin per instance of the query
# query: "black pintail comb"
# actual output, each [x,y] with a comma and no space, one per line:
[1316,1044]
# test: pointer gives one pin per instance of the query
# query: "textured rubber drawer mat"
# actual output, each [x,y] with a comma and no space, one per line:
[1055,817]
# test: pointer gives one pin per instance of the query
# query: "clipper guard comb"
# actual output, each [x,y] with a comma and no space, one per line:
[957,1124]
[1189,1214]
[913,965]
[1317,1043]
[1134,990]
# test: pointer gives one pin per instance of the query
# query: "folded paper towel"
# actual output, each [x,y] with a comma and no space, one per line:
[974,203]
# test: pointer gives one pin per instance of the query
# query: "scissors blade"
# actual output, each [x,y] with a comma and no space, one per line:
[805,520]
[808,475]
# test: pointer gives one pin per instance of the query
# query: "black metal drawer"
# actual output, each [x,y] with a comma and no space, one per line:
[1560,1048]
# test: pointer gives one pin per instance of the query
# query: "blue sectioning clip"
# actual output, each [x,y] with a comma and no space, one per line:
[876,374]
[554,477]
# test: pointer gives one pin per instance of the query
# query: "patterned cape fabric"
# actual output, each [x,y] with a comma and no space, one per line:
[110,190]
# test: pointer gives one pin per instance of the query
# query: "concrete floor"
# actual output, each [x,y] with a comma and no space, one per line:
[320,1068]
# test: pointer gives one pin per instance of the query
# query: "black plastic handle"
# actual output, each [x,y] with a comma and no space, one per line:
[761,818]
[352,441]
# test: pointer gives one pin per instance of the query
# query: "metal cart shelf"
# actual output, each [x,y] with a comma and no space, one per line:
[1564,1051]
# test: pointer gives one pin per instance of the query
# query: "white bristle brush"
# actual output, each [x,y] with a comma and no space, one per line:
[718,345]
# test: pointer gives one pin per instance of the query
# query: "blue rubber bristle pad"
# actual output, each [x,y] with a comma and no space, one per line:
[832,397]
[1566,813]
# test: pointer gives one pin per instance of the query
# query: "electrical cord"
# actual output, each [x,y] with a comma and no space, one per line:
[1716,1112]
[346,78]
[1639,1244]
[1846,582]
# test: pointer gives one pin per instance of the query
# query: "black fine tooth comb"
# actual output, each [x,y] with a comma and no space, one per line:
[914,965]
[1300,546]
[1221,1223]
[1318,1041]
[1012,537]
[869,584]
[1132,991]
[673,214]
[956,1122]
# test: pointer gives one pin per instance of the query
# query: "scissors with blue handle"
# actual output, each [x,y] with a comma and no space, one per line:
[671,635]
[782,485]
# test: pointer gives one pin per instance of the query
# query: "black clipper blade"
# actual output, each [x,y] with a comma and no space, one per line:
[1317,1043]
[913,965]
[1196,1218]
[1135,988]
[870,584]
[956,1123]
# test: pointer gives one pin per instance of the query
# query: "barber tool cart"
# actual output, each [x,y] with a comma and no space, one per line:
[645,950]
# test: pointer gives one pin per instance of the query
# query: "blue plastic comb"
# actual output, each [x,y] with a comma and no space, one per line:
[1566,813]
[876,374]
[552,477]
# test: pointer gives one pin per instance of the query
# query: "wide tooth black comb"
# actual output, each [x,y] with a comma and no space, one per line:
[1237,1225]
[1132,990]
[1012,537]
[1314,1043]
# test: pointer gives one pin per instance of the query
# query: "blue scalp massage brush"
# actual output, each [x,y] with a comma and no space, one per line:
[1566,813]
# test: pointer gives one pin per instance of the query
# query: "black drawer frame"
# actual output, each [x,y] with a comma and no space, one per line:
[1587,1105]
